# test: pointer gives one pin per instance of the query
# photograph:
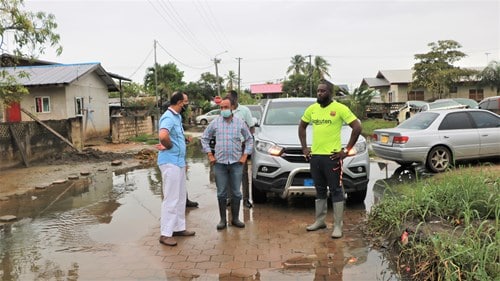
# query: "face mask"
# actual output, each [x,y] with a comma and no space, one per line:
[226,113]
[184,108]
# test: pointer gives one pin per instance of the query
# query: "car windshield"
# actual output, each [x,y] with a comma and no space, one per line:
[256,112]
[285,113]
[420,121]
[443,104]
[416,103]
[470,103]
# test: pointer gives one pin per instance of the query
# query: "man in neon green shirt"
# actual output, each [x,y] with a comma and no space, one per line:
[326,154]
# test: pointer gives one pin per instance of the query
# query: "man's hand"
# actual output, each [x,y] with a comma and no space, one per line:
[160,146]
[211,159]
[243,159]
[307,153]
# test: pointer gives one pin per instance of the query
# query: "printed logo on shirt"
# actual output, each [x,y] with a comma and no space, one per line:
[321,121]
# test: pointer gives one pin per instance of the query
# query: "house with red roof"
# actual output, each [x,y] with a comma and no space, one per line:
[268,91]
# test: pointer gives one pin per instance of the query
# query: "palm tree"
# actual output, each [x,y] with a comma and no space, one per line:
[297,65]
[490,76]
[169,79]
[320,67]
[231,80]
[360,99]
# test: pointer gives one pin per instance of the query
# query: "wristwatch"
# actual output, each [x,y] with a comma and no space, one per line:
[345,150]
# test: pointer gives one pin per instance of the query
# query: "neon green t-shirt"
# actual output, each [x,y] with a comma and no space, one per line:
[327,126]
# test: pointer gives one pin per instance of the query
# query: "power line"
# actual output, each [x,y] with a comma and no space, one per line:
[184,64]
[177,18]
[212,23]
[174,28]
[143,62]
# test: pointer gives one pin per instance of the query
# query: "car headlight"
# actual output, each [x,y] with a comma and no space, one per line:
[268,148]
[360,147]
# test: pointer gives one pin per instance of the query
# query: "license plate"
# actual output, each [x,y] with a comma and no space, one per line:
[384,139]
[308,182]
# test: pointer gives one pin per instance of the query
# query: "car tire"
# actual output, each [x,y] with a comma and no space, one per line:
[258,196]
[405,173]
[439,159]
[203,122]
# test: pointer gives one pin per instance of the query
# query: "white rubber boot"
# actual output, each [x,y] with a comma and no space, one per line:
[338,216]
[321,208]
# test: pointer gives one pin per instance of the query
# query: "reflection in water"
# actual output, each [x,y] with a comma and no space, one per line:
[67,219]
[105,227]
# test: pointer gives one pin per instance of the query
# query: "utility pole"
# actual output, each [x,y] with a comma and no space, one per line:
[487,54]
[156,86]
[217,61]
[310,76]
[239,79]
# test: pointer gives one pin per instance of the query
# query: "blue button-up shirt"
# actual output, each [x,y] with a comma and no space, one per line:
[229,136]
[172,121]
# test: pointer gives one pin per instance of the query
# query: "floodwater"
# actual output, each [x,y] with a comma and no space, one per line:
[106,227]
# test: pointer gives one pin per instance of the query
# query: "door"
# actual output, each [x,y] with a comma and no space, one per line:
[13,112]
[459,133]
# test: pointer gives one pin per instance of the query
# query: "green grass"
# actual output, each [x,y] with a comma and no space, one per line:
[145,138]
[369,125]
[454,225]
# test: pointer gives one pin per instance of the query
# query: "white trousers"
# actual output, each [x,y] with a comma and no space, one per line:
[173,206]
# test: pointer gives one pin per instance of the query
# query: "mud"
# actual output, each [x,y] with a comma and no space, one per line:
[98,156]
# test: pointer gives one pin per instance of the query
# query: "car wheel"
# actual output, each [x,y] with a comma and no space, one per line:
[258,196]
[356,197]
[404,173]
[203,122]
[439,159]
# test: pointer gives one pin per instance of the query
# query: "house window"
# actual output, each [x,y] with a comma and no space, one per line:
[476,94]
[415,95]
[453,90]
[79,106]
[42,104]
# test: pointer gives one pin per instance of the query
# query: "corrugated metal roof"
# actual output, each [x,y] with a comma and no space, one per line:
[266,88]
[57,74]
[396,76]
[376,82]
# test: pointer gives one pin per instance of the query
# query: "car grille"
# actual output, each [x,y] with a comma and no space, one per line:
[293,155]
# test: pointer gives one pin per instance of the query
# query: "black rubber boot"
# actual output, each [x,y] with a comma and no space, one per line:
[222,212]
[235,213]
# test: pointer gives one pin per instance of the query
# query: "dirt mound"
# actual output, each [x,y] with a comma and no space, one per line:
[87,155]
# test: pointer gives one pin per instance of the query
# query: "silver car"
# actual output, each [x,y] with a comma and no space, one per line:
[206,118]
[438,138]
[278,164]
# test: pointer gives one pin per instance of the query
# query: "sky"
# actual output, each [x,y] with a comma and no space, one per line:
[357,38]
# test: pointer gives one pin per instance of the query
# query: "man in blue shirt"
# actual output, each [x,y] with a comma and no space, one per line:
[229,159]
[172,164]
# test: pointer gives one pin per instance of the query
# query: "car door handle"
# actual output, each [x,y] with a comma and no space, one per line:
[446,137]
[484,135]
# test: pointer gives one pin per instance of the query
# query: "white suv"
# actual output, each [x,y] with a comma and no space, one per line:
[278,164]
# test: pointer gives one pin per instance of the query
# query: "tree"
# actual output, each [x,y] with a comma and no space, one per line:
[359,99]
[296,86]
[231,80]
[130,90]
[297,65]
[435,71]
[490,76]
[320,68]
[169,79]
[31,32]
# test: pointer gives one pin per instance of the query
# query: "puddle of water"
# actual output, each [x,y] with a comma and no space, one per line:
[95,228]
